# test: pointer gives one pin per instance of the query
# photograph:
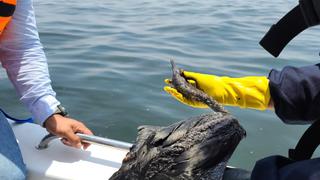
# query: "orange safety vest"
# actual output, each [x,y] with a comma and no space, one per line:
[7,8]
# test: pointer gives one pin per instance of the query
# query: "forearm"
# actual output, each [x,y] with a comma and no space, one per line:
[295,93]
[24,60]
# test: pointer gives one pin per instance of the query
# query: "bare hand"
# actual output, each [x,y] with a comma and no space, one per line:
[66,128]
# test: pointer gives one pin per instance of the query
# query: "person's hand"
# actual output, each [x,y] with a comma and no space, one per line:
[247,92]
[66,128]
[174,93]
[210,84]
[205,82]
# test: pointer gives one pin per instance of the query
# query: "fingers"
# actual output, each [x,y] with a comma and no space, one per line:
[71,139]
[174,93]
[81,128]
[85,145]
[66,142]
[168,81]
[69,130]
[190,75]
[192,82]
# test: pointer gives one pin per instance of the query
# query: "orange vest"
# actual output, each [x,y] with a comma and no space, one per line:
[7,8]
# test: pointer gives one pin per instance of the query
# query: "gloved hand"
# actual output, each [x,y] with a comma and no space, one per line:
[246,92]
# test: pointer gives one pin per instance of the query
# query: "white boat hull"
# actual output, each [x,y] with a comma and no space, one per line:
[62,162]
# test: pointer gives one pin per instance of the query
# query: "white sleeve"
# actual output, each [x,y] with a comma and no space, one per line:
[22,55]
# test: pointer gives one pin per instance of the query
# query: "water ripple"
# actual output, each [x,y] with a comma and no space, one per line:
[108,60]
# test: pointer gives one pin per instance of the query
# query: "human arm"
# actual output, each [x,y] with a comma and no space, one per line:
[294,92]
[246,92]
[22,55]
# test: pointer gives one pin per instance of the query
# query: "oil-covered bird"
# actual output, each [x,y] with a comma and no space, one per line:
[196,148]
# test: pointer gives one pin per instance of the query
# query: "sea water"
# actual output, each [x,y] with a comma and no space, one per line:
[108,60]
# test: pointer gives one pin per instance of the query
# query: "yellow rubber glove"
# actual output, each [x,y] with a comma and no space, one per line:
[246,92]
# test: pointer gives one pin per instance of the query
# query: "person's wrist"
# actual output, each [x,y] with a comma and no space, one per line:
[53,117]
[59,112]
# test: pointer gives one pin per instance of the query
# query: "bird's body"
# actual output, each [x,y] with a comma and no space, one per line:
[197,148]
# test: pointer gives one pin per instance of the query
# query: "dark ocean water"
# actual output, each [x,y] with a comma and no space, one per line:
[108,59]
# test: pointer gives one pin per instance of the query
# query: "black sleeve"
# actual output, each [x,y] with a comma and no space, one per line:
[296,93]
